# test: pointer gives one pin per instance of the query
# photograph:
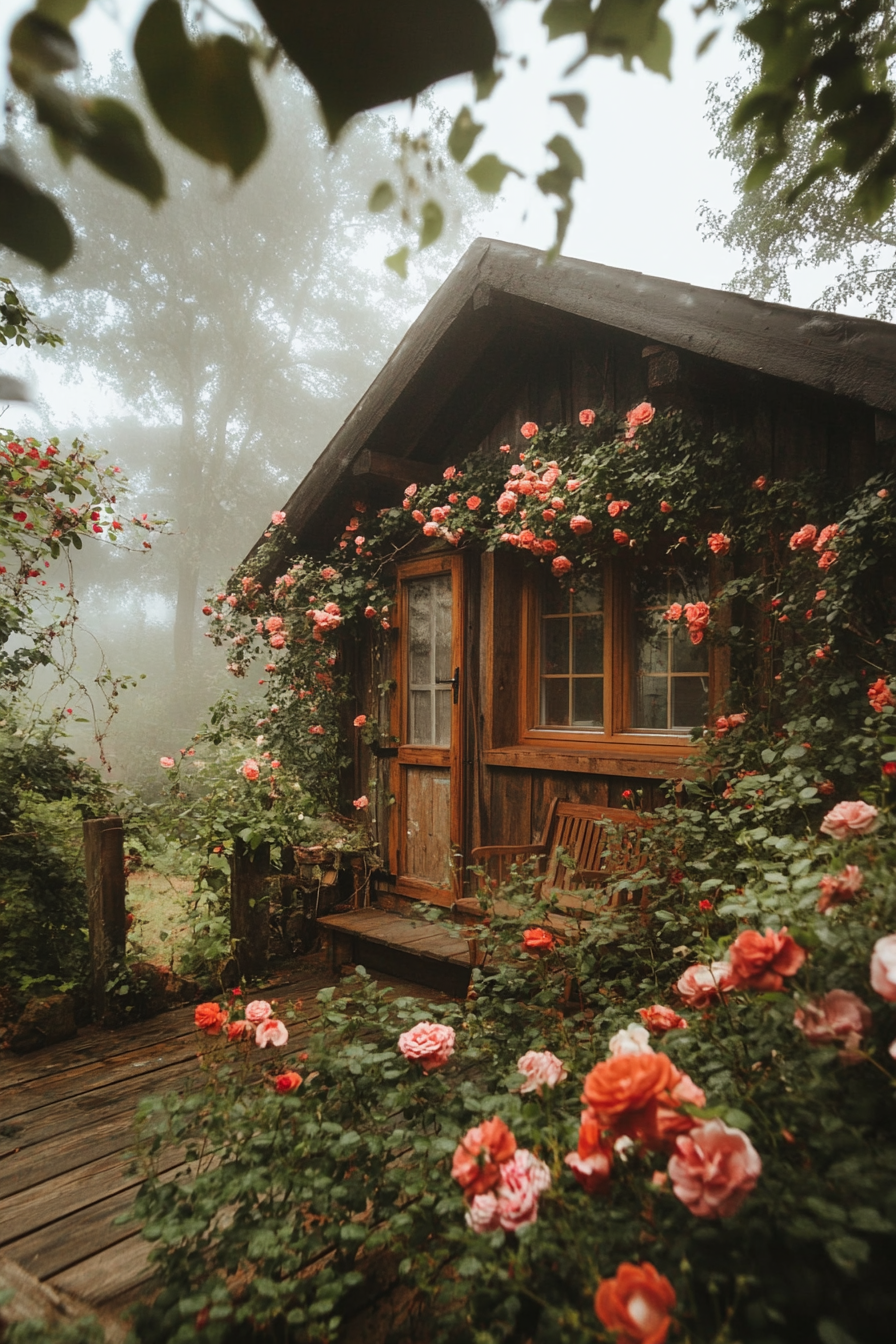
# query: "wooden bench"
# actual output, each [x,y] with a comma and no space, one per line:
[583,847]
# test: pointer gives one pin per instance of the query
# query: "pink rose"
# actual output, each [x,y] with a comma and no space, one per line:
[522,1180]
[166,762]
[804,540]
[506,503]
[633,1040]
[277,641]
[572,484]
[482,1213]
[838,1018]
[701,985]
[718,543]
[826,559]
[258,1011]
[429,1043]
[883,968]
[271,1032]
[580,525]
[587,418]
[825,535]
[278,517]
[449,473]
[849,819]
[529,429]
[361,803]
[542,1069]
[560,565]
[370,612]
[838,888]
[249,770]
[430,529]
[660,1019]
[673,613]
[593,1172]
[410,491]
[713,1169]
[360,720]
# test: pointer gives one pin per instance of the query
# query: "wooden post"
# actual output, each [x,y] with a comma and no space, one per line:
[104,866]
[249,909]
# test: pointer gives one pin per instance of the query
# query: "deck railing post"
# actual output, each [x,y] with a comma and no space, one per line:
[106,886]
[250,908]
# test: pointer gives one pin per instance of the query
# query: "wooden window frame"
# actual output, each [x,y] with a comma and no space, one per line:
[616,747]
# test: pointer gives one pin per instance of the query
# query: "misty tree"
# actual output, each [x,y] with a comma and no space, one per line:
[237,325]
[777,235]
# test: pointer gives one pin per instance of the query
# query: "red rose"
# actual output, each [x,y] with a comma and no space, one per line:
[760,961]
[636,1305]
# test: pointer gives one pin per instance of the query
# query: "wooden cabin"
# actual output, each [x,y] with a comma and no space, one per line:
[489,720]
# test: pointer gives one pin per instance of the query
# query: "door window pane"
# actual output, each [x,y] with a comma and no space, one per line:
[571,629]
[670,684]
[429,668]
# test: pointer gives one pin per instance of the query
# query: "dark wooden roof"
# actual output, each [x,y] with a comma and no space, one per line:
[443,382]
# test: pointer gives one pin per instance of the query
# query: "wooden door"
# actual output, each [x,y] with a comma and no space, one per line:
[429,797]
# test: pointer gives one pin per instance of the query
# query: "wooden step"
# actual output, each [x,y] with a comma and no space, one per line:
[420,950]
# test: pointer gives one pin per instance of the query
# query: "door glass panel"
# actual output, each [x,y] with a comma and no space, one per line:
[429,661]
[670,690]
[428,818]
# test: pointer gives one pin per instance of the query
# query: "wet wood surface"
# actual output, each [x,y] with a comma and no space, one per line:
[67,1138]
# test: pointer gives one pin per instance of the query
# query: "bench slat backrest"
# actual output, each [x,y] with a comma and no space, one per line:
[592,837]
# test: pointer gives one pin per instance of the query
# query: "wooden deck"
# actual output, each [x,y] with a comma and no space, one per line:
[65,1130]
[420,950]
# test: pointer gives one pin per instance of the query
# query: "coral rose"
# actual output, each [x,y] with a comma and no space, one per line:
[259,1010]
[506,503]
[621,538]
[718,543]
[529,429]
[639,415]
[659,1019]
[478,1157]
[702,985]
[713,1169]
[473,503]
[622,1092]
[278,517]
[542,1069]
[537,940]
[760,961]
[428,1043]
[166,762]
[670,1120]
[580,525]
[838,888]
[560,565]
[636,1305]
[361,803]
[838,1018]
[288,1082]
[271,1032]
[804,540]
[249,770]
[209,1018]
[883,968]
[359,721]
[880,697]
[237,1030]
[587,418]
[849,819]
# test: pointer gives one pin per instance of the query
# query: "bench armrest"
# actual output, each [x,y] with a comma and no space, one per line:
[506,851]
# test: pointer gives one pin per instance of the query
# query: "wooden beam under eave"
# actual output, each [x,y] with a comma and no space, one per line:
[401,470]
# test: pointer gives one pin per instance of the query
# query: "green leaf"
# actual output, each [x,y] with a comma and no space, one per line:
[40,44]
[576,105]
[463,135]
[489,172]
[567,157]
[398,262]
[201,92]
[432,221]
[468,1267]
[358,55]
[381,197]
[829,1332]
[31,222]
[485,81]
[563,17]
[706,42]
[117,144]
[656,55]
[848,1252]
[61,11]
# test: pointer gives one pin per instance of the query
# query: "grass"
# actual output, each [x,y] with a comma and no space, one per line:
[158,903]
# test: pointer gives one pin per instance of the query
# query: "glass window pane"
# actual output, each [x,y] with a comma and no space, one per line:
[651,642]
[650,703]
[443,718]
[441,597]
[588,644]
[589,594]
[690,701]
[555,702]
[420,633]
[588,702]
[555,645]
[421,717]
[554,597]
[688,657]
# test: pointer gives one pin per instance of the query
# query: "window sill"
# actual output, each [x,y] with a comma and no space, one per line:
[662,760]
